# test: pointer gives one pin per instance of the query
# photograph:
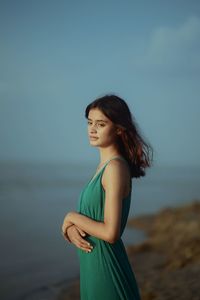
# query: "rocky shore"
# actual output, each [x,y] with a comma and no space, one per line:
[167,263]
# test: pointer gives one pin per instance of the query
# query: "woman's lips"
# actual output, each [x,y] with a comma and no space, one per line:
[93,138]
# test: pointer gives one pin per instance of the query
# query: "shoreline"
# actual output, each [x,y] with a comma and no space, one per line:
[167,262]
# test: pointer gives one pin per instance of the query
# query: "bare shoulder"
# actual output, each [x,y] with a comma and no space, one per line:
[116,173]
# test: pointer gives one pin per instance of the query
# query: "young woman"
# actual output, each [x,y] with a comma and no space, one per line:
[103,206]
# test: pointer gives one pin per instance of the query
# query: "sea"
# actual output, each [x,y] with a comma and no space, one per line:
[35,260]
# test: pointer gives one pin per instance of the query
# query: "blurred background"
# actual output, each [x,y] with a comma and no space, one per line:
[57,57]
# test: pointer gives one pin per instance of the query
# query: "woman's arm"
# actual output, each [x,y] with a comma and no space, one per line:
[114,182]
[87,224]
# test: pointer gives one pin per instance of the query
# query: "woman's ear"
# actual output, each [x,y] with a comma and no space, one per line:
[119,131]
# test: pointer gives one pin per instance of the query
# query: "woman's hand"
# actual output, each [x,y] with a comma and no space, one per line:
[66,223]
[75,234]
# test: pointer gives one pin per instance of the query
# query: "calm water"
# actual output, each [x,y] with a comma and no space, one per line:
[34,199]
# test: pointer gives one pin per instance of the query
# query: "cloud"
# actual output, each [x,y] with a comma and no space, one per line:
[173,49]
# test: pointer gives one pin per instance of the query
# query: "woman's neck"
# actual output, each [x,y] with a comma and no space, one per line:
[107,153]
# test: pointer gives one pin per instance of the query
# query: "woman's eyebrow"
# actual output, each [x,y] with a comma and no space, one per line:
[99,120]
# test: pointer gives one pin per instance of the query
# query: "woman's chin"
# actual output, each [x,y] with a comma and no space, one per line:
[93,143]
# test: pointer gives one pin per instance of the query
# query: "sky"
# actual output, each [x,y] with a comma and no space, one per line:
[58,56]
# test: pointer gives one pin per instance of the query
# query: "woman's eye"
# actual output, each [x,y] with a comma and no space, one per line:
[97,124]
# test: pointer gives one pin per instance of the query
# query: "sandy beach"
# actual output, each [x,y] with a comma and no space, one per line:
[167,263]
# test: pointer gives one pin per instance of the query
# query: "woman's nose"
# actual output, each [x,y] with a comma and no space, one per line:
[93,127]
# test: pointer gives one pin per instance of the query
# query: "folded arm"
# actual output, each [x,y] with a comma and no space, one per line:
[92,227]
[114,183]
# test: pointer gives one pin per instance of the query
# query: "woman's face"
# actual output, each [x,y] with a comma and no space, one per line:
[101,130]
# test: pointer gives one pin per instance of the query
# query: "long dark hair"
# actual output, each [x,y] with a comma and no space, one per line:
[130,142]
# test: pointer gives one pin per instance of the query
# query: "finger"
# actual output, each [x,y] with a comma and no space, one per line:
[80,243]
[85,249]
[85,245]
[81,239]
[81,232]
[83,242]
[82,246]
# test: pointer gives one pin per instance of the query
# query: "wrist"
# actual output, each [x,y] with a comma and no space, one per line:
[66,233]
[70,216]
[69,226]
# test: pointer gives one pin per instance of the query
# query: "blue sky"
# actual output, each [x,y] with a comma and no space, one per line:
[58,56]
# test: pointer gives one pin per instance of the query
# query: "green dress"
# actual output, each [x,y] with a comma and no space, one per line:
[105,272]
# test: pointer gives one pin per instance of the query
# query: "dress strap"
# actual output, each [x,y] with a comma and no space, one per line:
[120,157]
[105,164]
